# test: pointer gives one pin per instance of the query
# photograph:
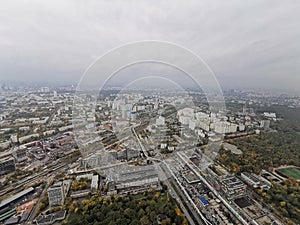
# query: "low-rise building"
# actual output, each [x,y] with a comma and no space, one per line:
[136,177]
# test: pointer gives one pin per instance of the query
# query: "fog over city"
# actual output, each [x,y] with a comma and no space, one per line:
[139,112]
[248,44]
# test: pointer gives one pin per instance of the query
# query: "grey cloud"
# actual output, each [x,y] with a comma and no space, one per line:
[244,42]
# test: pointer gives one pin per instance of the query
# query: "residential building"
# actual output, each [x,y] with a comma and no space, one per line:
[7,165]
[58,192]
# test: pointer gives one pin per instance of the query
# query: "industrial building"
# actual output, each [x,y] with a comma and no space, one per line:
[103,158]
[136,177]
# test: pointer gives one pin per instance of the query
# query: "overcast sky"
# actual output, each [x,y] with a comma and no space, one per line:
[252,43]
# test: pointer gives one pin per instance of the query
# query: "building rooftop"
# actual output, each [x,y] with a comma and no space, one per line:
[135,173]
[18,195]
[94,183]
[233,182]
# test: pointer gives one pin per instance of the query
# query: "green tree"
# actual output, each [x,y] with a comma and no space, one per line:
[145,221]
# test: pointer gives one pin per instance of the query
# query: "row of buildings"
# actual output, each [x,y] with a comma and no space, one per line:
[130,179]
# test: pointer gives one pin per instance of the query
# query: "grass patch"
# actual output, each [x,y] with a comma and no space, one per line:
[290,172]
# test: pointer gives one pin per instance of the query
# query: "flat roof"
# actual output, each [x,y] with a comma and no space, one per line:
[135,173]
[95,179]
[16,196]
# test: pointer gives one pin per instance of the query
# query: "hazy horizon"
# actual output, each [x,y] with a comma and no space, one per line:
[249,44]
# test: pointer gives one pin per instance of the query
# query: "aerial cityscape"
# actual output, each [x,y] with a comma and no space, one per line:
[45,178]
[118,129]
